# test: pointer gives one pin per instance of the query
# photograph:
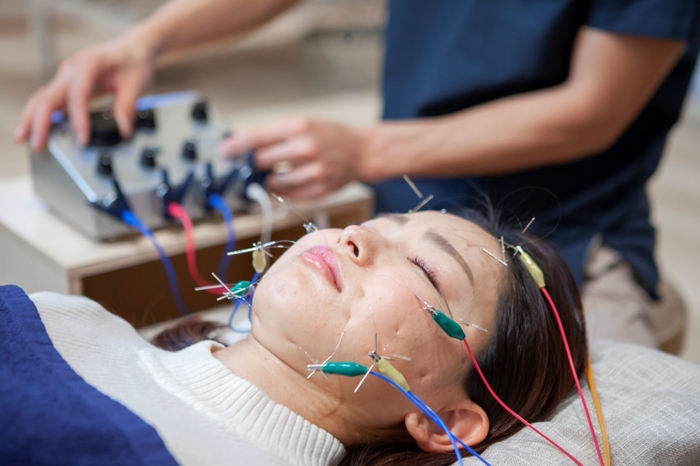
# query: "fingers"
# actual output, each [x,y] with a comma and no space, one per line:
[110,66]
[82,83]
[35,121]
[296,150]
[47,101]
[305,174]
[128,89]
[309,191]
[25,120]
[255,138]
[41,124]
[307,181]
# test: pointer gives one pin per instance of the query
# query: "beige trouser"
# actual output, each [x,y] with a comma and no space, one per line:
[616,306]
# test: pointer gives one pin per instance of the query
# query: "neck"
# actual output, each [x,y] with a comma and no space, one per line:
[252,361]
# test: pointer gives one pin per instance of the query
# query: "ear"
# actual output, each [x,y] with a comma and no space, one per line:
[468,421]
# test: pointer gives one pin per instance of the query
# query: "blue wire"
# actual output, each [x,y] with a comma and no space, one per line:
[423,407]
[252,295]
[437,418]
[434,417]
[219,204]
[250,308]
[233,314]
[130,218]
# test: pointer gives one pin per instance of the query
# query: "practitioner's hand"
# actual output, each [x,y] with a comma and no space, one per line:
[310,158]
[122,66]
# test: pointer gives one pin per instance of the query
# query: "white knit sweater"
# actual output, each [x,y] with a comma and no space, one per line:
[204,413]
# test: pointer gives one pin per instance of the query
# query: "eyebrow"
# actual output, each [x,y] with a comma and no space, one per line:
[437,239]
[441,242]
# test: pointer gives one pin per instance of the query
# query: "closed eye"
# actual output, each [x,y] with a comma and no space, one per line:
[426,269]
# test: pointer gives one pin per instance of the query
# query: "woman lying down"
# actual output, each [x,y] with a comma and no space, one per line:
[384,295]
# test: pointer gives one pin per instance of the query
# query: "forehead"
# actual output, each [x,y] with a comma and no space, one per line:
[466,239]
[464,234]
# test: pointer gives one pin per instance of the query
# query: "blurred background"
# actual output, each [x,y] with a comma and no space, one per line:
[321,59]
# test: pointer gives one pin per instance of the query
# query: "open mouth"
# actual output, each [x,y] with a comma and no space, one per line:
[326,262]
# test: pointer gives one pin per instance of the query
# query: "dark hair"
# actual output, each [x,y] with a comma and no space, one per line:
[524,360]
[185,333]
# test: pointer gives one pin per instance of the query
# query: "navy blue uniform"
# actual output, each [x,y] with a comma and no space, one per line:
[443,56]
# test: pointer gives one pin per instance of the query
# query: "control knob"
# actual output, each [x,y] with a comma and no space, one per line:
[146,119]
[104,130]
[104,164]
[148,157]
[200,112]
[189,150]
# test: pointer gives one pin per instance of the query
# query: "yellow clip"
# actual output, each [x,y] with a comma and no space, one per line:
[259,260]
[392,373]
[532,267]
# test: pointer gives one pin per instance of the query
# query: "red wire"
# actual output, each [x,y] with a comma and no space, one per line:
[513,413]
[179,212]
[573,371]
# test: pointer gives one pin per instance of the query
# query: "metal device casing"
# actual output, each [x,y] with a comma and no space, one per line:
[66,176]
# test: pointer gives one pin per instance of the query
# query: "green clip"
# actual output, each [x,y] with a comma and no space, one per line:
[347,369]
[310,227]
[240,289]
[449,326]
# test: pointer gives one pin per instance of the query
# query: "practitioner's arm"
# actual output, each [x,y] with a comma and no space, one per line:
[612,77]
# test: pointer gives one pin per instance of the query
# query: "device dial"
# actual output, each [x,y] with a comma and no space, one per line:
[146,119]
[189,150]
[200,111]
[104,130]
[104,164]
[148,157]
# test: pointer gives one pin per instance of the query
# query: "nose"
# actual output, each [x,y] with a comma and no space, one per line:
[360,243]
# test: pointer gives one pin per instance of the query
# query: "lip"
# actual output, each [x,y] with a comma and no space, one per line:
[325,260]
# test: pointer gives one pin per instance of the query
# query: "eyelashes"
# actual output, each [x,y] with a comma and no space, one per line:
[426,269]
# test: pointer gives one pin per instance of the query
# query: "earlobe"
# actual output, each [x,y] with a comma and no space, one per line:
[419,428]
[468,422]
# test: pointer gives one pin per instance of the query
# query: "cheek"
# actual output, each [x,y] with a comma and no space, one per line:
[393,307]
[393,297]
[290,294]
[403,327]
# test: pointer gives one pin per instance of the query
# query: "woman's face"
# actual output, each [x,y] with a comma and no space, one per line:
[372,279]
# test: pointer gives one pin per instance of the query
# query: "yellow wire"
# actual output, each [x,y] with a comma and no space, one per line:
[599,413]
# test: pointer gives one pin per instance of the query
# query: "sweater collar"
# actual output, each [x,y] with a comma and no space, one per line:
[200,380]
